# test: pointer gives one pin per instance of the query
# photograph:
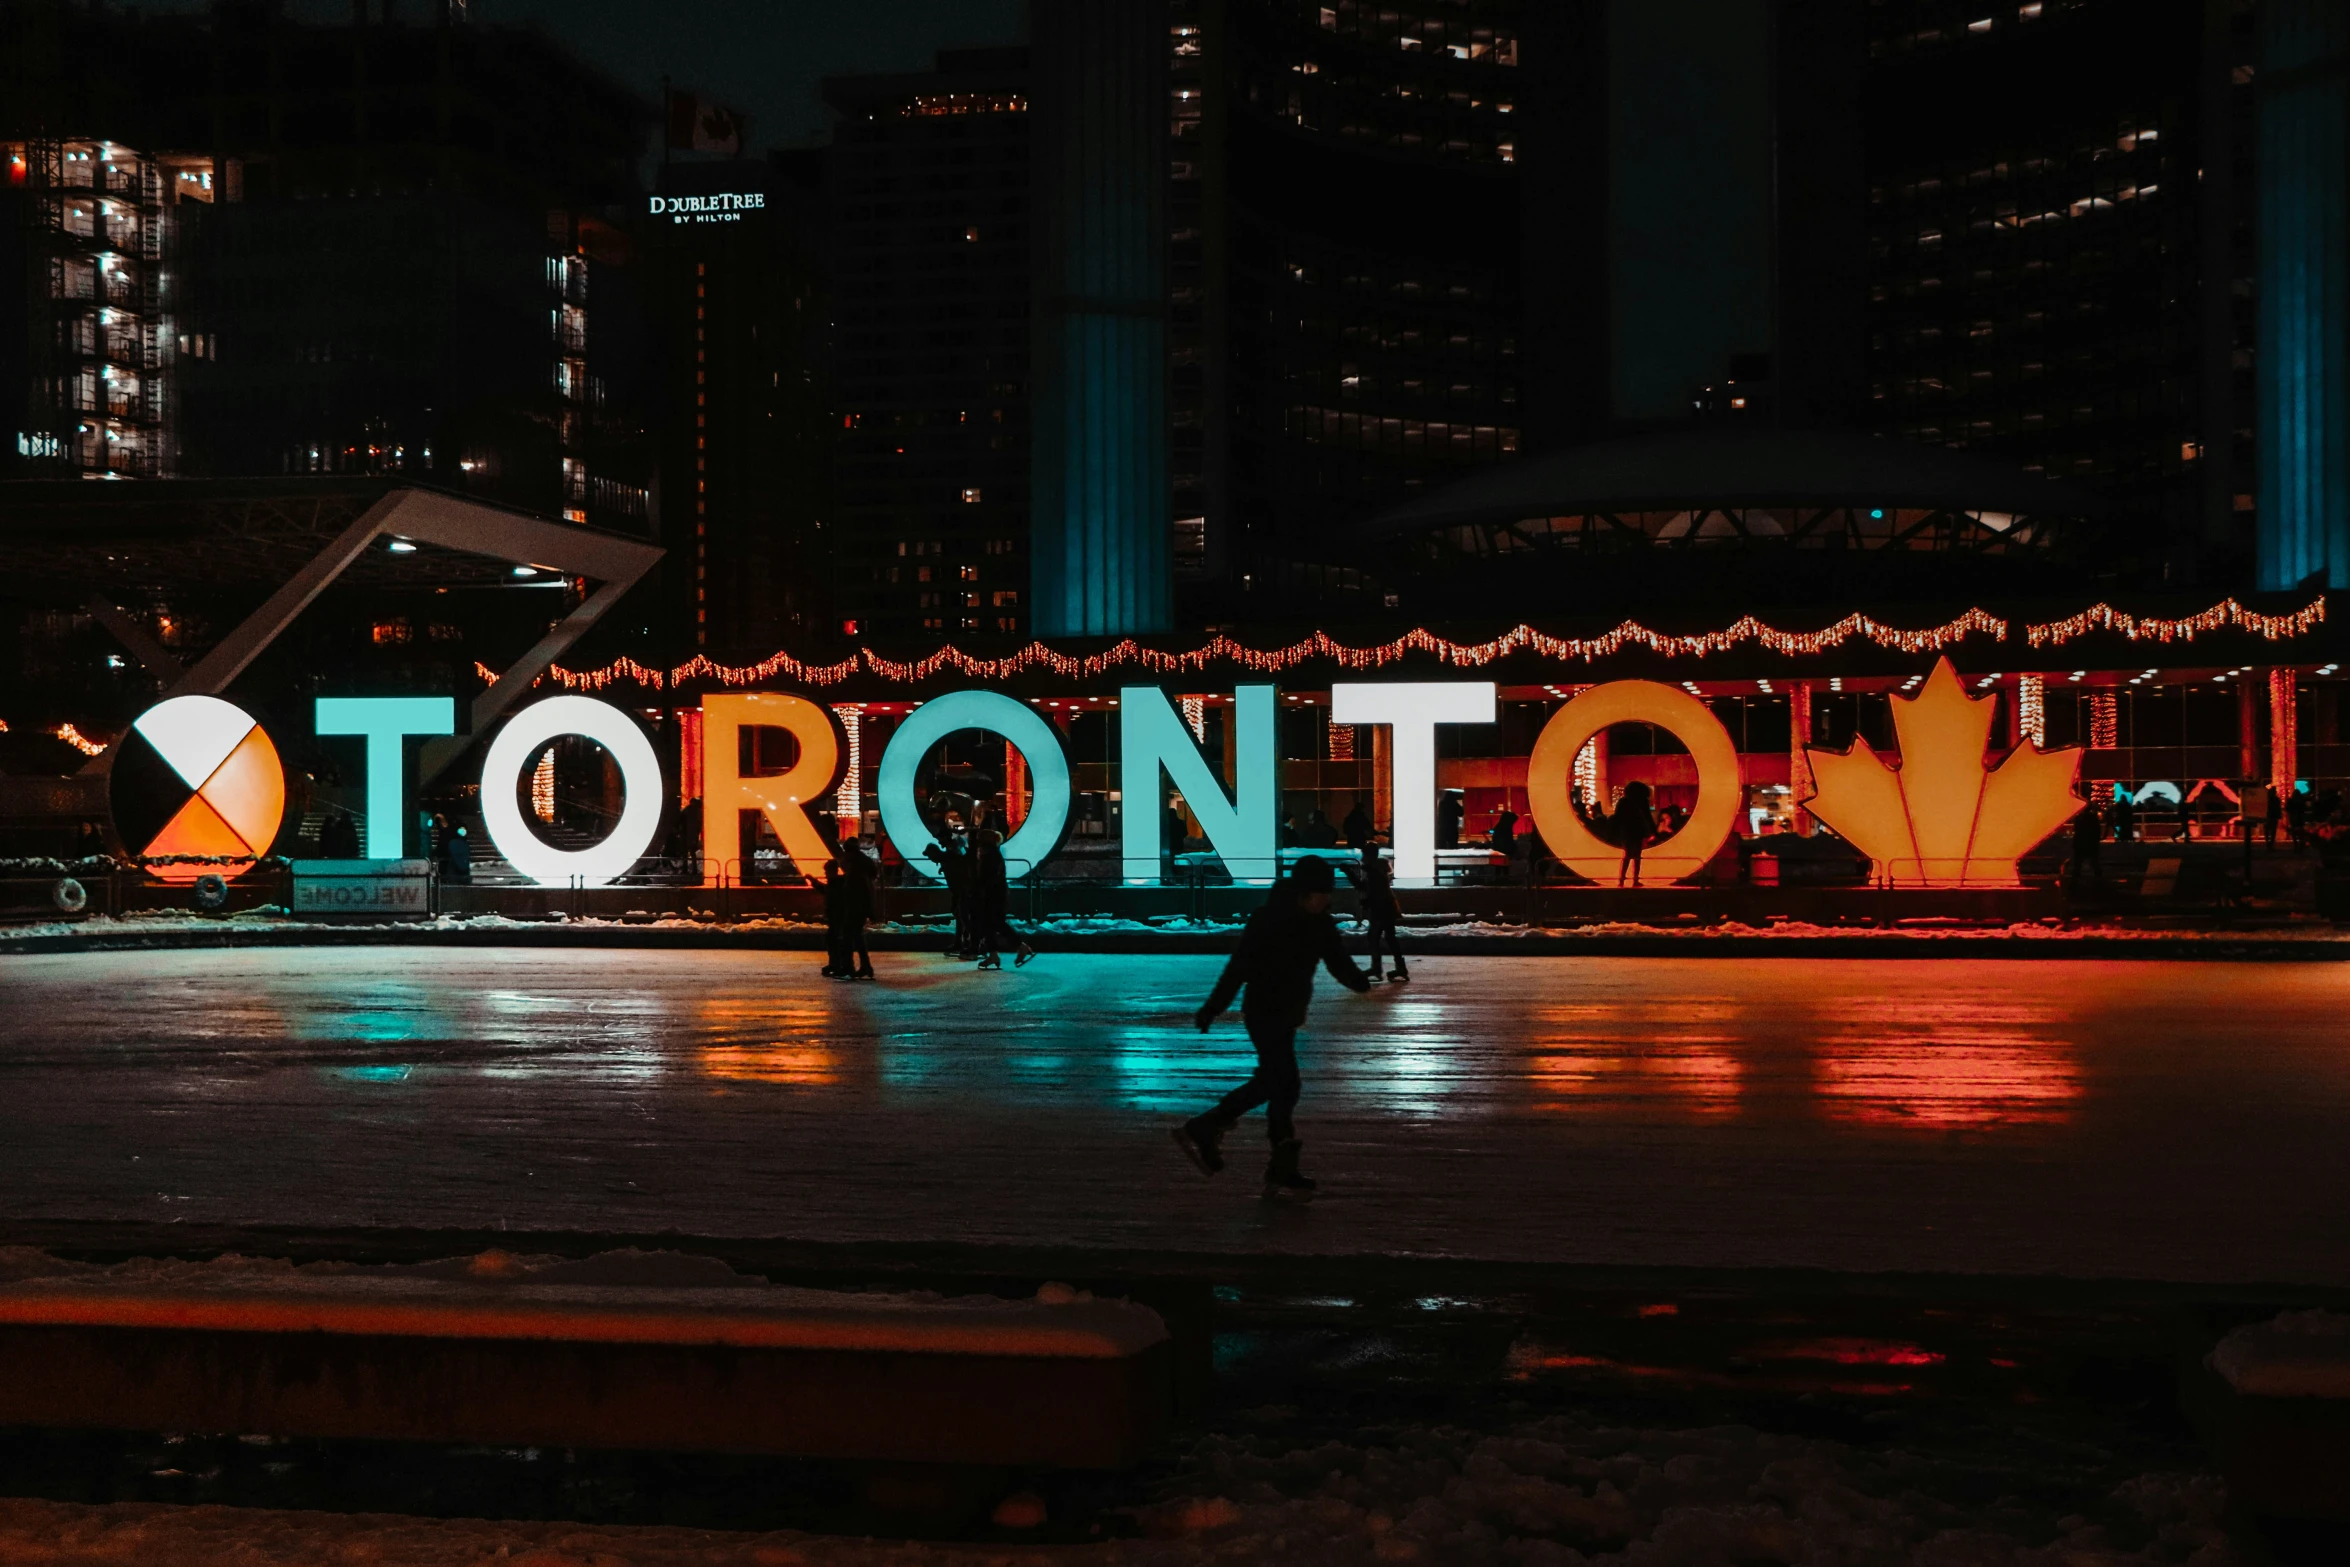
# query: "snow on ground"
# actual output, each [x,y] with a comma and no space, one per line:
[1552,1494]
[165,925]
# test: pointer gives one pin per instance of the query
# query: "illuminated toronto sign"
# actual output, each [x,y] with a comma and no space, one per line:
[1037,742]
[385,723]
[1244,827]
[1938,817]
[197,776]
[721,207]
[1550,772]
[518,746]
[782,798]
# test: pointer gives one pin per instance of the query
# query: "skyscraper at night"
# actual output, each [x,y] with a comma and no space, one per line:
[730,261]
[369,248]
[2060,262]
[929,201]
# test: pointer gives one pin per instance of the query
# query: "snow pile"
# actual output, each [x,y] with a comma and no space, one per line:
[2300,1354]
[1560,1495]
[169,923]
[1727,1497]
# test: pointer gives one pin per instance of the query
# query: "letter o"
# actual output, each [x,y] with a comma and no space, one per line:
[642,788]
[1550,775]
[933,721]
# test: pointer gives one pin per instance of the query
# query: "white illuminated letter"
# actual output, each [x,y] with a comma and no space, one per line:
[386,722]
[1413,710]
[933,721]
[1244,829]
[518,745]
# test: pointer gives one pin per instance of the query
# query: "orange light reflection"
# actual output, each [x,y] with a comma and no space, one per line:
[1979,1065]
[766,1042]
[1603,1056]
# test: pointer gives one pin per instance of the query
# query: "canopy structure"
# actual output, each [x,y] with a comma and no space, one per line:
[1777,516]
[94,547]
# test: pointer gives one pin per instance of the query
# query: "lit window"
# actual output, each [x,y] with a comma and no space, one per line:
[971,497]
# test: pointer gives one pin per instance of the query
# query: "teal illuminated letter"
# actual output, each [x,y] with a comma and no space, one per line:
[386,721]
[1048,776]
[1243,829]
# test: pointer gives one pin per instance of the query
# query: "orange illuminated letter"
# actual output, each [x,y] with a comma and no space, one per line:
[1550,770]
[781,797]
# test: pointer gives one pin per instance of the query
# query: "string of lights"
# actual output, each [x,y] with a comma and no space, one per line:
[79,741]
[2226,613]
[1321,645]
[1220,649]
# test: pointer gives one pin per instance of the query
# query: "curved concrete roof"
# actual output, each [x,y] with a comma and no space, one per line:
[1724,466]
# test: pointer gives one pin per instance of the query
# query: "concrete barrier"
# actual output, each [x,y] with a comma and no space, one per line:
[561,1355]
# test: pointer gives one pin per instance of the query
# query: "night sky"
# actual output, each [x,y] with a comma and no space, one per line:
[765,57]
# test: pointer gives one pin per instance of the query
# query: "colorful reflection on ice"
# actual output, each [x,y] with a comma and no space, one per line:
[761,1041]
[1674,1062]
[1960,1065]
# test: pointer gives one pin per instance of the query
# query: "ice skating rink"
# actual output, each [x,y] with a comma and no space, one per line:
[2154,1120]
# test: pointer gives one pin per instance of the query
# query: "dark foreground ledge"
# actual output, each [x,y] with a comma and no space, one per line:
[633,1352]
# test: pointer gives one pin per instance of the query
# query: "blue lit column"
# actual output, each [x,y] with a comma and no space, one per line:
[2304,87]
[1100,551]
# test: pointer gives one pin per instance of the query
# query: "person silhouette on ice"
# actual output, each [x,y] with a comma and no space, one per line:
[1273,974]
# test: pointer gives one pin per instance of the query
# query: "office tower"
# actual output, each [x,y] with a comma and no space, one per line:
[362,249]
[2304,289]
[1347,261]
[929,246]
[731,258]
[2058,270]
[1099,548]
[88,245]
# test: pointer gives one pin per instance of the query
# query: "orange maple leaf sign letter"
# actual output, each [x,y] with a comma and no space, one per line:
[1943,816]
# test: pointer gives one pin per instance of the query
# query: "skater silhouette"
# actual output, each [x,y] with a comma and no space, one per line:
[1273,974]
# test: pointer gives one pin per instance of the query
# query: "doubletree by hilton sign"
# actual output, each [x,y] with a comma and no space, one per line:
[722,207]
[1940,814]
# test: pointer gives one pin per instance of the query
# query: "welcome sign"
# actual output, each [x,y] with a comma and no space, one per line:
[1942,813]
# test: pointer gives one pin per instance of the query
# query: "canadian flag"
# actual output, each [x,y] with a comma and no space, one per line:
[698,125]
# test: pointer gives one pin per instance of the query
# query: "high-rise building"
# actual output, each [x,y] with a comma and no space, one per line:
[1346,238]
[1100,561]
[2059,266]
[1319,295]
[89,242]
[2303,77]
[360,249]
[929,180]
[732,262]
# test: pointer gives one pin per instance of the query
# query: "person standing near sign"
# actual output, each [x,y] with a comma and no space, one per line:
[1376,879]
[953,854]
[1634,823]
[991,897]
[1505,833]
[860,874]
[1273,974]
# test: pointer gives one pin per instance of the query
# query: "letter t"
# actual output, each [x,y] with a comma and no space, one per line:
[1414,709]
[386,721]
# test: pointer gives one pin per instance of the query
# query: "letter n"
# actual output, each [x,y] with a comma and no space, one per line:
[1242,828]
